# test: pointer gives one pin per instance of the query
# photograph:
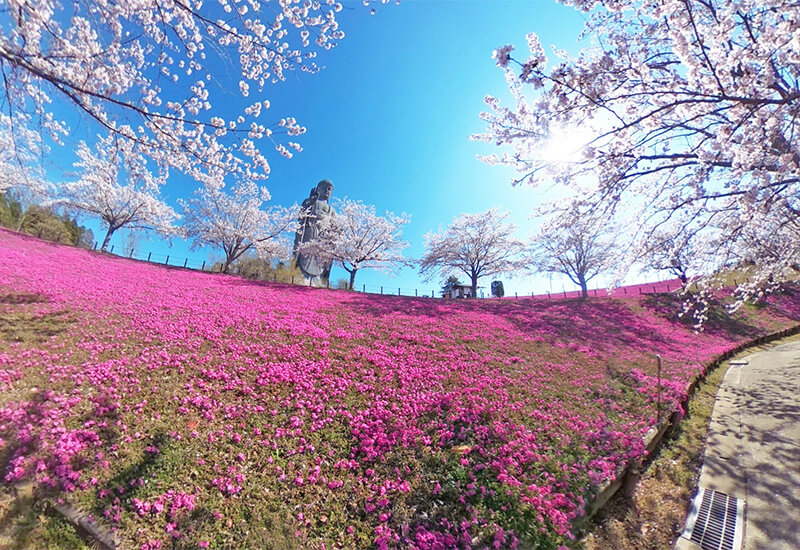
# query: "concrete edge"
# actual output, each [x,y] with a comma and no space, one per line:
[85,524]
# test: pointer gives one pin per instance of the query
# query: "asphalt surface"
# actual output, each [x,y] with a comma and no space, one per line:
[753,448]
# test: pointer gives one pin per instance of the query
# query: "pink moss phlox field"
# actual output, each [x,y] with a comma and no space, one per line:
[188,408]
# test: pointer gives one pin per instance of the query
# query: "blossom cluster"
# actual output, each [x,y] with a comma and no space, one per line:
[160,64]
[198,409]
[681,124]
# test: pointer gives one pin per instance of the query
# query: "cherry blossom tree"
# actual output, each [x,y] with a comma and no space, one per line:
[766,254]
[20,151]
[575,245]
[117,186]
[236,222]
[694,110]
[477,245]
[21,172]
[671,248]
[151,71]
[358,238]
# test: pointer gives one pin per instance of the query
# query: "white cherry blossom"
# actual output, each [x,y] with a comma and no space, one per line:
[477,245]
[695,106]
[358,238]
[117,186]
[159,67]
[237,222]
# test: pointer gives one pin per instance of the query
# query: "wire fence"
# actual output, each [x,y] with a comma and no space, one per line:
[172,260]
[176,260]
[181,261]
[660,287]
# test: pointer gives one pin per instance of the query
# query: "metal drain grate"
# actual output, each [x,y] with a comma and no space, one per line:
[715,521]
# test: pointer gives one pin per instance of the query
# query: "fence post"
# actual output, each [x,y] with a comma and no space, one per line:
[166,262]
[624,290]
[148,256]
[432,294]
[131,254]
[658,399]
[185,262]
[204,266]
[416,293]
[531,294]
[95,246]
[654,289]
[515,296]
[398,291]
[381,290]
[548,295]
[640,290]
[364,288]
[112,249]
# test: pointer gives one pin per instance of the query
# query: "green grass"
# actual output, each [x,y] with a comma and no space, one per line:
[27,521]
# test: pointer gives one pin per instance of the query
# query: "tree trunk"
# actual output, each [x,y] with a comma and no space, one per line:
[110,232]
[684,279]
[353,278]
[23,214]
[584,288]
[474,287]
[228,262]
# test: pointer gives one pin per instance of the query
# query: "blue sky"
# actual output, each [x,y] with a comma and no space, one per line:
[389,120]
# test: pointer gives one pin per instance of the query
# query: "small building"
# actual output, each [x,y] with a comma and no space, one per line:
[458,291]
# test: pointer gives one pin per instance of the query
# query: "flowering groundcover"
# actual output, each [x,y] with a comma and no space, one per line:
[186,409]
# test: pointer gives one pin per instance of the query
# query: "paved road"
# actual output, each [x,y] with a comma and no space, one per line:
[753,450]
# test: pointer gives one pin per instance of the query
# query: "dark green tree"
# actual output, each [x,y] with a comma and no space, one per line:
[43,222]
[10,211]
[449,284]
[497,289]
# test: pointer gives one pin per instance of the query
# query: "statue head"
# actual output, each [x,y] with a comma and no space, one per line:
[324,190]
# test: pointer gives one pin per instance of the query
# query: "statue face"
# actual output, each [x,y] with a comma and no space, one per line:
[325,189]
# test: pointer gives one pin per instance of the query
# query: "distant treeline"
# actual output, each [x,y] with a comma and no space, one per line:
[252,267]
[43,222]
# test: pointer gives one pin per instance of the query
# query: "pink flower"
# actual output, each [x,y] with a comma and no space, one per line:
[453,383]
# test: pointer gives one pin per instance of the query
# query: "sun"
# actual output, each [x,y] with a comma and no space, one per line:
[566,144]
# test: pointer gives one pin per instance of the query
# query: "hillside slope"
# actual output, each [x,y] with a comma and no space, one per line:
[187,409]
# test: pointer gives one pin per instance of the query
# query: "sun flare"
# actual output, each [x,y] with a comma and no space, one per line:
[566,144]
